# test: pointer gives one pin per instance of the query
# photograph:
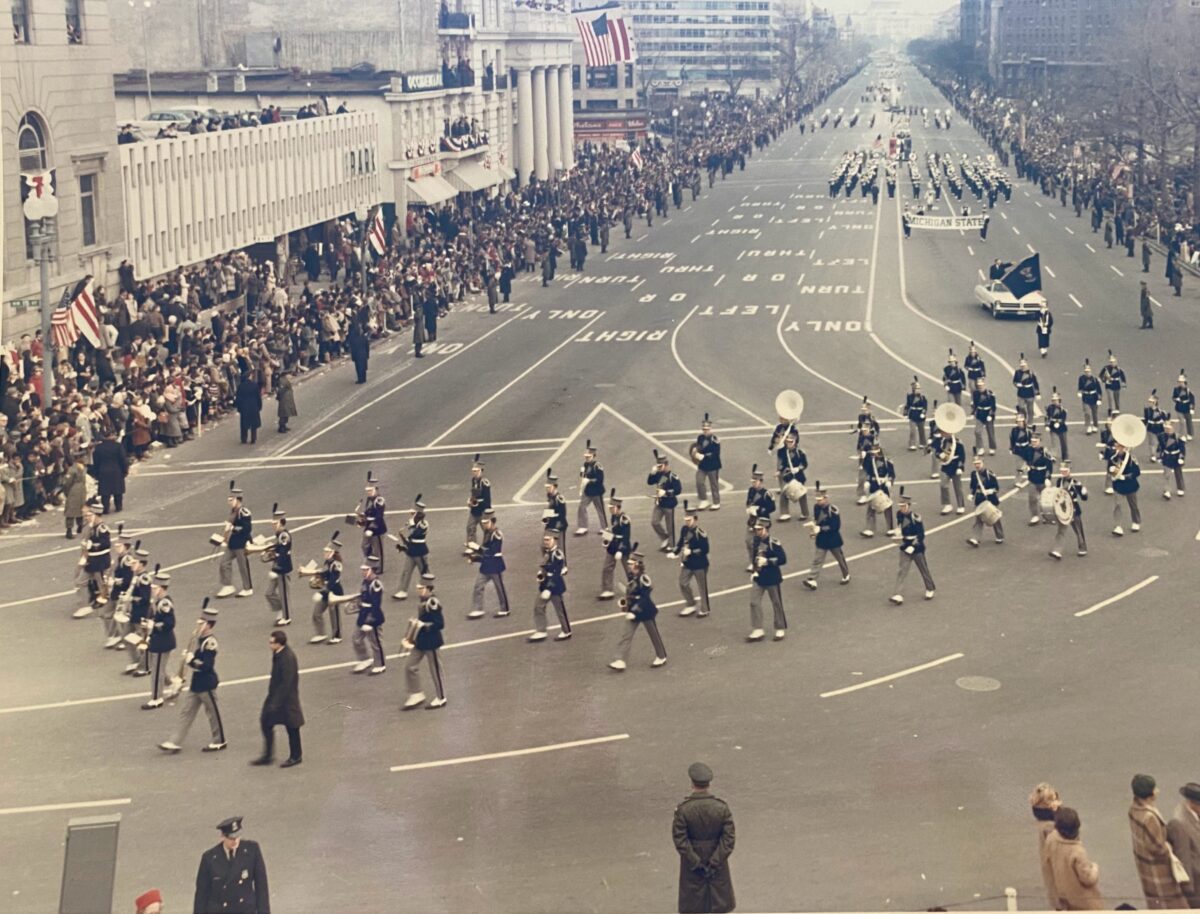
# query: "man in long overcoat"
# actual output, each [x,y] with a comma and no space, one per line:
[248,401]
[704,836]
[1151,851]
[282,707]
[110,465]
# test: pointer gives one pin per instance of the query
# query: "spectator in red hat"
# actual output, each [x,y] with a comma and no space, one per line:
[149,902]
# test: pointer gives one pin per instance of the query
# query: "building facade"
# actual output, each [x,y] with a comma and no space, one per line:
[1038,40]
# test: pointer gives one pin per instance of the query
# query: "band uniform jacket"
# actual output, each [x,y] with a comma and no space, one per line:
[1026,383]
[99,549]
[162,636]
[375,523]
[704,837]
[1125,481]
[239,536]
[915,406]
[954,456]
[912,534]
[491,553]
[232,886]
[1077,491]
[1172,451]
[552,566]
[782,430]
[429,638]
[333,577]
[762,503]
[370,604]
[1056,418]
[139,603]
[1089,389]
[1185,400]
[283,692]
[481,496]
[558,521]
[983,405]
[639,598]
[283,553]
[1154,419]
[953,379]
[670,485]
[1041,465]
[791,464]
[772,550]
[880,473]
[1113,377]
[1018,441]
[416,535]
[828,523]
[593,479]
[204,665]
[975,367]
[621,530]
[709,448]
[985,487]
[696,542]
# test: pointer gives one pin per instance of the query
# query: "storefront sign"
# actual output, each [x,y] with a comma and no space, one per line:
[421,82]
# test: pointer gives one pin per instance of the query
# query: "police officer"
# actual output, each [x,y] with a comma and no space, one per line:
[479,502]
[1112,376]
[161,624]
[1124,472]
[1172,453]
[237,537]
[766,578]
[324,599]
[617,544]
[373,518]
[554,515]
[368,646]
[490,556]
[914,409]
[954,379]
[759,504]
[983,407]
[1026,384]
[1185,405]
[881,474]
[97,557]
[790,466]
[952,459]
[1089,391]
[202,691]
[708,469]
[1056,423]
[639,607]
[415,546]
[232,876]
[703,832]
[551,588]
[666,496]
[281,567]
[1078,492]
[827,531]
[912,550]
[424,646]
[692,550]
[591,476]
[984,487]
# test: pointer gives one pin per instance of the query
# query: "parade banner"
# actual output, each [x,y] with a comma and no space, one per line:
[947,222]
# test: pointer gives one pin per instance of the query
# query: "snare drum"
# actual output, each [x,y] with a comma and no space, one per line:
[1046,504]
[988,513]
[879,501]
[794,490]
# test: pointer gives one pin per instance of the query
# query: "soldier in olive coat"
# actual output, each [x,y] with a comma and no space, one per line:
[703,832]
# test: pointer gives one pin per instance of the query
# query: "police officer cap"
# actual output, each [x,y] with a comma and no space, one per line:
[231,826]
[1190,791]
[700,774]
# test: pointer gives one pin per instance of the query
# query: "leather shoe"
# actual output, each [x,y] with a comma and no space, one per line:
[290,762]
[265,760]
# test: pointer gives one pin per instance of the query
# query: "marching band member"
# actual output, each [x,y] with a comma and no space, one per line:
[1107,447]
[666,497]
[1089,390]
[954,379]
[591,493]
[368,646]
[96,558]
[1113,378]
[952,460]
[983,407]
[551,588]
[554,515]
[161,625]
[1153,417]
[984,487]
[1056,423]
[759,503]
[708,468]
[331,587]
[914,409]
[867,436]
[1172,453]
[1185,405]
[881,474]
[1079,494]
[479,502]
[617,539]
[783,428]
[1045,324]
[237,537]
[281,567]
[827,531]
[202,691]
[766,578]
[413,543]
[118,586]
[912,550]
[1124,470]
[490,556]
[425,645]
[1028,391]
[692,550]
[373,519]
[140,608]
[639,608]
[1041,466]
[937,440]
[1018,445]
[790,464]
[976,369]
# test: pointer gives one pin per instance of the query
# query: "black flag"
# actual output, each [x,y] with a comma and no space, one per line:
[1025,277]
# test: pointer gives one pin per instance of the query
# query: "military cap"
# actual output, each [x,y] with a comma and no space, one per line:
[230,826]
[700,774]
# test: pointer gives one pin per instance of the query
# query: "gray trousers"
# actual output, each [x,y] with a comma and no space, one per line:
[411,564]
[955,398]
[1034,497]
[708,479]
[906,562]
[277,594]
[1025,408]
[1076,525]
[1090,411]
[1173,473]
[1118,511]
[873,515]
[629,627]
[368,644]
[606,573]
[109,609]
[785,502]
[948,483]
[190,706]
[159,665]
[226,567]
[481,582]
[700,576]
[412,675]
[372,545]
[472,526]
[662,522]
[560,610]
[750,544]
[1186,419]
[997,529]
[756,613]
[1112,399]
[916,433]
[321,604]
[1064,452]
[594,501]
[819,562]
[988,428]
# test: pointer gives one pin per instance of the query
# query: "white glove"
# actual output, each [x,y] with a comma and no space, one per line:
[630,616]
[188,656]
[544,595]
[365,628]
[617,556]
[686,551]
[909,550]
[751,511]
[761,561]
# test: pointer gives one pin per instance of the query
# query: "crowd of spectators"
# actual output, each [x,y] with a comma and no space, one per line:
[180,350]
[212,121]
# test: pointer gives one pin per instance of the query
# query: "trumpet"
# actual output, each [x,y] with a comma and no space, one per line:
[409,641]
[623,604]
[695,454]
[316,577]
[401,541]
[142,638]
[541,576]
[268,554]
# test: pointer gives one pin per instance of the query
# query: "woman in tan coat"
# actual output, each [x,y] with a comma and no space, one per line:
[1076,878]
[1044,801]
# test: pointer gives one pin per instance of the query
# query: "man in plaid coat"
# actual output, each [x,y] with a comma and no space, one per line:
[1151,851]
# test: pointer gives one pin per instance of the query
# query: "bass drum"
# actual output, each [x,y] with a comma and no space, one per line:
[879,501]
[1048,504]
[794,490]
[988,513]
[1064,506]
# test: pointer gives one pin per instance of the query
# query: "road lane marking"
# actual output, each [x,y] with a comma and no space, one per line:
[687,371]
[909,365]
[1030,246]
[893,676]
[1089,247]
[720,279]
[57,807]
[1078,303]
[1016,231]
[642,237]
[694,240]
[1048,270]
[1121,596]
[874,262]
[512,753]
[1052,216]
[970,250]
[1155,301]
[1069,229]
[1115,270]
[1004,215]
[436,441]
[1037,203]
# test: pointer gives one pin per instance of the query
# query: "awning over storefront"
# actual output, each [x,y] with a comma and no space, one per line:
[430,190]
[470,176]
[506,173]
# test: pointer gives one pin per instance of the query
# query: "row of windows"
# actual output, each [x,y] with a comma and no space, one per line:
[33,154]
[740,5]
[698,20]
[23,34]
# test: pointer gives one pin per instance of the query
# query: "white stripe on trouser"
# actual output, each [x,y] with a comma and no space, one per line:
[756,613]
[411,564]
[560,609]
[192,701]
[606,573]
[819,562]
[412,676]
[906,562]
[595,501]
[226,567]
[481,582]
[700,576]
[320,605]
[629,627]
[160,673]
[277,593]
[665,531]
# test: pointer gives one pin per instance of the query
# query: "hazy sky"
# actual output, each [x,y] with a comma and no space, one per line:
[926,7]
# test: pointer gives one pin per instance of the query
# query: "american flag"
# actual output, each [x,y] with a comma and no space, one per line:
[83,314]
[376,235]
[635,159]
[605,37]
[62,328]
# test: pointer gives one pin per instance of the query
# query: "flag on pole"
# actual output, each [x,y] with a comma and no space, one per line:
[606,39]
[635,159]
[376,235]
[62,328]
[84,314]
[1025,277]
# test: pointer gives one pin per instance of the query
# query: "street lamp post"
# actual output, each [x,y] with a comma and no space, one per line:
[42,233]
[675,133]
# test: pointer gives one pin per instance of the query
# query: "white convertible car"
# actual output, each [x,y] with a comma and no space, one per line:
[994,296]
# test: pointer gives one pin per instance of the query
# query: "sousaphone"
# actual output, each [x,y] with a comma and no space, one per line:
[789,405]
[1129,430]
[950,418]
